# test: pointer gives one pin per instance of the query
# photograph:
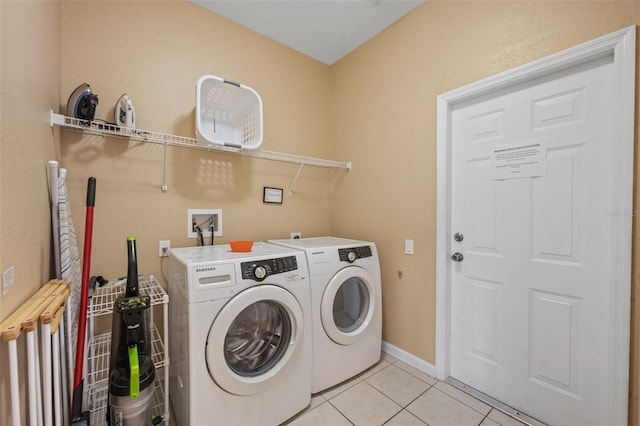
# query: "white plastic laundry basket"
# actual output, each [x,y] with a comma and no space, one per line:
[227,113]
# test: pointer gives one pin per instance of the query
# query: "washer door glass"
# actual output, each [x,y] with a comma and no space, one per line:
[258,338]
[254,338]
[348,304]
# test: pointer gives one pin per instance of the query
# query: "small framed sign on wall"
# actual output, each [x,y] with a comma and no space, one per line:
[272,195]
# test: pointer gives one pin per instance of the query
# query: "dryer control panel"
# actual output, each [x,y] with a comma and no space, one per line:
[258,270]
[352,254]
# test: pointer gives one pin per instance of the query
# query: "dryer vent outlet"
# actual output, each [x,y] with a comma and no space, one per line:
[205,219]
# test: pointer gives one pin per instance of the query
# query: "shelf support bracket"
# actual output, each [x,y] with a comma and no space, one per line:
[295,179]
[164,170]
[55,119]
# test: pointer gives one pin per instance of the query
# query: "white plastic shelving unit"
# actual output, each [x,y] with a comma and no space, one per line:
[104,129]
[100,349]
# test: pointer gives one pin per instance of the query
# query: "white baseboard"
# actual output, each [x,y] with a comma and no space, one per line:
[410,359]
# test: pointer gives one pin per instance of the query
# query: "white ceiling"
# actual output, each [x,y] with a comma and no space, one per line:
[326,30]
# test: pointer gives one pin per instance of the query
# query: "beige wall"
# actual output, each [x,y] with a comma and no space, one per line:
[30,87]
[155,53]
[375,107]
[29,80]
[385,122]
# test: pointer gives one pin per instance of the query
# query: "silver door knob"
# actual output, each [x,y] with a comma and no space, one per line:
[458,237]
[457,257]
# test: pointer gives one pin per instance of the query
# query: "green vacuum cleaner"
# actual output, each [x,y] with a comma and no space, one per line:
[131,370]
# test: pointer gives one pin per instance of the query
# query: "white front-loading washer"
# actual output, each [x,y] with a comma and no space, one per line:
[346,302]
[240,335]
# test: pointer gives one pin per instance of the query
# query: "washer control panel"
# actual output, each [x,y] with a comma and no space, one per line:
[258,270]
[352,254]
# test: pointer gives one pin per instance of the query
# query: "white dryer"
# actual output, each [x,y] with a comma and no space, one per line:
[346,301]
[240,345]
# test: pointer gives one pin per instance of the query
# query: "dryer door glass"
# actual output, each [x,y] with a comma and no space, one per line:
[257,338]
[350,305]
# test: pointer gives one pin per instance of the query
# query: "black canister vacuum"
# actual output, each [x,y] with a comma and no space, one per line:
[131,370]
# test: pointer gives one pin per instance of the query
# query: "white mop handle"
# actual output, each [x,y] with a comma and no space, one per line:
[38,379]
[31,372]
[47,381]
[66,405]
[57,400]
[15,386]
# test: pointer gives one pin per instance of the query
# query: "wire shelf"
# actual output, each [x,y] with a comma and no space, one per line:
[104,297]
[100,351]
[100,400]
[104,129]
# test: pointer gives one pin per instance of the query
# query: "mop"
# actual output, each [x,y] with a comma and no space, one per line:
[78,417]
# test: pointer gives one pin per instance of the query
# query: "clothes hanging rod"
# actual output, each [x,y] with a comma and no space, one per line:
[105,129]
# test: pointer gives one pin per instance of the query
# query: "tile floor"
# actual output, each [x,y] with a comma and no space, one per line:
[394,393]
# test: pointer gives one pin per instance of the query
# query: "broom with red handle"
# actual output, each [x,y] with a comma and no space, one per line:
[78,418]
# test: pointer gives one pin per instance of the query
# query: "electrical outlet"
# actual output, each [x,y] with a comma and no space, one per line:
[163,248]
[204,218]
[296,235]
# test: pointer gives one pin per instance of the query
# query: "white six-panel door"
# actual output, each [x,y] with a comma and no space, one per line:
[530,298]
[533,171]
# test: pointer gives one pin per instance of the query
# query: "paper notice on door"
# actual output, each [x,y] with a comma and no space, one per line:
[519,160]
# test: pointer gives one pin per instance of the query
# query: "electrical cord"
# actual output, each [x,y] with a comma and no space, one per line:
[200,237]
[105,121]
[113,127]
[197,227]
[212,228]
[105,125]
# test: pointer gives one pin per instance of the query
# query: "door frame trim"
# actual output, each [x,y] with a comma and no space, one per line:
[621,45]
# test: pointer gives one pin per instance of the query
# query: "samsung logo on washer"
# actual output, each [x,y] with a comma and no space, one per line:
[205,269]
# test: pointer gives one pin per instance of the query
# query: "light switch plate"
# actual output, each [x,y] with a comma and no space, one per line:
[408,246]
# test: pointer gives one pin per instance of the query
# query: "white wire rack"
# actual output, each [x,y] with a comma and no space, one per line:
[105,129]
[100,350]
[100,398]
[104,297]
[99,356]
